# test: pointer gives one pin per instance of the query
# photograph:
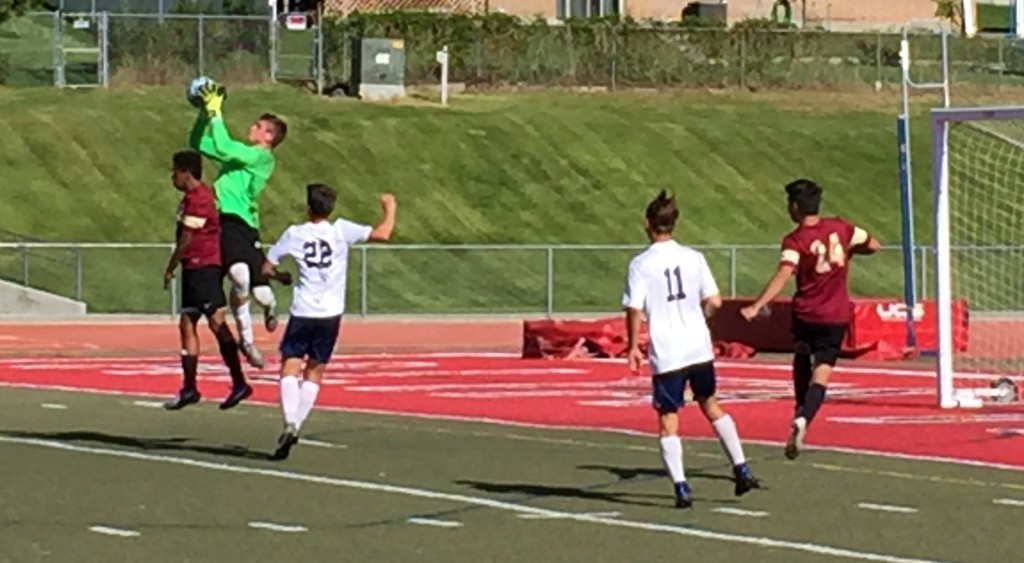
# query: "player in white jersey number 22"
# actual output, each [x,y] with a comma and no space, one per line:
[672,286]
[320,250]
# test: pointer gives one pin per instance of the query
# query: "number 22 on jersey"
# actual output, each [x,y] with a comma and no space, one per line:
[317,254]
[834,255]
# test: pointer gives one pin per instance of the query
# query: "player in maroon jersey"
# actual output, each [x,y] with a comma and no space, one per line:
[198,252]
[818,250]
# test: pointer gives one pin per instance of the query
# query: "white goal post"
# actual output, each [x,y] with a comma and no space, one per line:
[978,189]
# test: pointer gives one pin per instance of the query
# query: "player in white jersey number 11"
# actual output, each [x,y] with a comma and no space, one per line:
[320,251]
[672,286]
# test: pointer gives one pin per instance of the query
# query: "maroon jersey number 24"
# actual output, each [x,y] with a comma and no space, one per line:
[819,253]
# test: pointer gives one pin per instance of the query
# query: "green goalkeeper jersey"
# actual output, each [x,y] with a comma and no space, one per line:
[244,169]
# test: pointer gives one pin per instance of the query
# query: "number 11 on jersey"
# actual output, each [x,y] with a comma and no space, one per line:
[677,293]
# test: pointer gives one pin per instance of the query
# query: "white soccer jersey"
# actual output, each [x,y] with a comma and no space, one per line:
[668,281]
[320,250]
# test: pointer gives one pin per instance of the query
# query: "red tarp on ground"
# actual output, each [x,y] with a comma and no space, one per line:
[877,332]
[602,338]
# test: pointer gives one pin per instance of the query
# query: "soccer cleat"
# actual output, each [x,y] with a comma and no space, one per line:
[184,398]
[288,438]
[238,394]
[683,498]
[252,355]
[270,321]
[796,437]
[745,480]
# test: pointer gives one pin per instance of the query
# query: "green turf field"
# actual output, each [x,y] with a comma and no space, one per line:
[195,486]
[514,168]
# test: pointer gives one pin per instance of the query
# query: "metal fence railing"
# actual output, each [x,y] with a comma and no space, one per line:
[89,49]
[426,279]
[155,47]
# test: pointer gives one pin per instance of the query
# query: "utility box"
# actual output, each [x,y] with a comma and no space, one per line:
[378,68]
[712,11]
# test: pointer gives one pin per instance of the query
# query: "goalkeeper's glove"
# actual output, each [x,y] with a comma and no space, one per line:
[212,96]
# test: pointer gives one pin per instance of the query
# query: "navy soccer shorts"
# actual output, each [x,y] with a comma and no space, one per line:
[821,341]
[313,339]
[668,388]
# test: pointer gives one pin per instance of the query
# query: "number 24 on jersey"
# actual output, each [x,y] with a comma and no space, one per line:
[832,256]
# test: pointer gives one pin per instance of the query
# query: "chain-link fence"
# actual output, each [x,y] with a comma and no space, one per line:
[484,51]
[171,49]
[610,55]
[100,49]
[416,279]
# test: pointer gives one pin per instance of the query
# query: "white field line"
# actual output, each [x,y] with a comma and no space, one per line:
[287,528]
[149,404]
[1009,502]
[752,540]
[611,514]
[887,508]
[319,444]
[343,358]
[740,512]
[537,426]
[54,406]
[108,531]
[435,522]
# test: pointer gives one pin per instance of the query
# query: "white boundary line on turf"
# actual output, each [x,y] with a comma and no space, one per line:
[757,541]
[887,508]
[118,532]
[274,527]
[435,522]
[383,356]
[537,426]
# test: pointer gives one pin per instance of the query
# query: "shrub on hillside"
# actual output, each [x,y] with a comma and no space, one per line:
[5,68]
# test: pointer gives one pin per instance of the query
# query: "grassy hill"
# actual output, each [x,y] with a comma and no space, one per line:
[551,168]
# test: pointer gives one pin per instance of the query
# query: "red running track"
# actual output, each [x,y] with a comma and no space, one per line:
[878,410]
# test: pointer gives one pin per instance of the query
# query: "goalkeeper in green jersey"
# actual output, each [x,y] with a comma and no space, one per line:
[244,171]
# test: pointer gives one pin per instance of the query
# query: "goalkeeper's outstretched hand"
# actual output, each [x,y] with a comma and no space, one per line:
[213,96]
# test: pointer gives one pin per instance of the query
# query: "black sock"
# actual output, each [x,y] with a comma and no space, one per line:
[229,353]
[802,372]
[815,396]
[189,366]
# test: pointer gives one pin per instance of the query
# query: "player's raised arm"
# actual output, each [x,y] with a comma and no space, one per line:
[215,138]
[861,242]
[198,139]
[787,265]
[634,298]
[229,150]
[381,232]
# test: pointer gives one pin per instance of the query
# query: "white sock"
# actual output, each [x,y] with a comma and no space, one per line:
[730,439]
[290,399]
[672,457]
[265,297]
[307,399]
[244,322]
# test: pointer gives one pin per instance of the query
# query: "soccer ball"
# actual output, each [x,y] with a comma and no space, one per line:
[192,92]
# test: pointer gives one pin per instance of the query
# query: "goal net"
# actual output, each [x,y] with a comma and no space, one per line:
[978,184]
